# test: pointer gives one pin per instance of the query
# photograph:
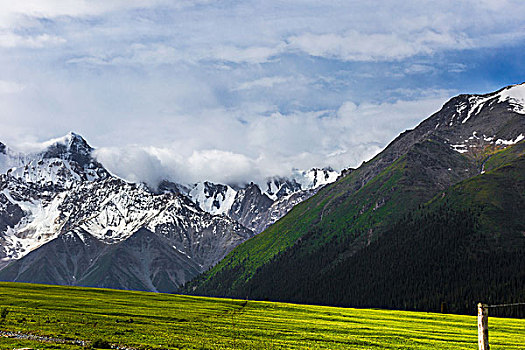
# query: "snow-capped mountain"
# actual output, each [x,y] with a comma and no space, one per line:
[256,206]
[63,198]
[64,218]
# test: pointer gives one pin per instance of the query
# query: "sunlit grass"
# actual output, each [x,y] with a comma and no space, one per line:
[149,320]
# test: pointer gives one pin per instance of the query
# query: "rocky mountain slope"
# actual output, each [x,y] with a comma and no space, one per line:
[305,256]
[65,219]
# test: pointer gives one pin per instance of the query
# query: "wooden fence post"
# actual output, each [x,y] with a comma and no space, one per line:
[483,327]
[443,307]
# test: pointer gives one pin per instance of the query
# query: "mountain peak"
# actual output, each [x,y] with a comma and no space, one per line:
[76,142]
[470,122]
[71,139]
[69,147]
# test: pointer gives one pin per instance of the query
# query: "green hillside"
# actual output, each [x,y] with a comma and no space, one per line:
[464,245]
[344,210]
[154,321]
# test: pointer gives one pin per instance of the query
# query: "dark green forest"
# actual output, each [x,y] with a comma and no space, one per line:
[426,259]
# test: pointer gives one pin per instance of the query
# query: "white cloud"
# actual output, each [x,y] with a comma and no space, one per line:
[457,67]
[253,54]
[159,54]
[133,164]
[154,164]
[266,82]
[354,46]
[10,87]
[195,85]
[12,11]
[494,4]
[348,108]
[419,69]
[357,46]
[272,145]
[11,40]
[221,166]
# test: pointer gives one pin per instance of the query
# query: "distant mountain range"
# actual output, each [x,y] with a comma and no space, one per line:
[438,216]
[252,206]
[64,219]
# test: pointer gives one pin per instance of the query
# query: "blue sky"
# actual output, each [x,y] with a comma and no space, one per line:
[234,91]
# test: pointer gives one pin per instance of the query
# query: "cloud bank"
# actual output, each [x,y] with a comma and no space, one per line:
[271,145]
[236,91]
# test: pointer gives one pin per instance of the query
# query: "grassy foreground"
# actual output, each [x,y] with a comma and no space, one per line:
[148,320]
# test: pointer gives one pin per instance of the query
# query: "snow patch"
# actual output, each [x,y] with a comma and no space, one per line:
[476,104]
[315,178]
[510,142]
[43,171]
[459,148]
[515,96]
[180,251]
[215,199]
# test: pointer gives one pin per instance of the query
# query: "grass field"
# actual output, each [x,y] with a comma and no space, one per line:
[148,320]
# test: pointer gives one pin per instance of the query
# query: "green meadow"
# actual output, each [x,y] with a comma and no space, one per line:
[152,321]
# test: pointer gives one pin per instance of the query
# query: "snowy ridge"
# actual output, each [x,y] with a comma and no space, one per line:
[470,106]
[476,103]
[55,171]
[62,190]
[315,178]
[219,199]
[513,95]
[65,160]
